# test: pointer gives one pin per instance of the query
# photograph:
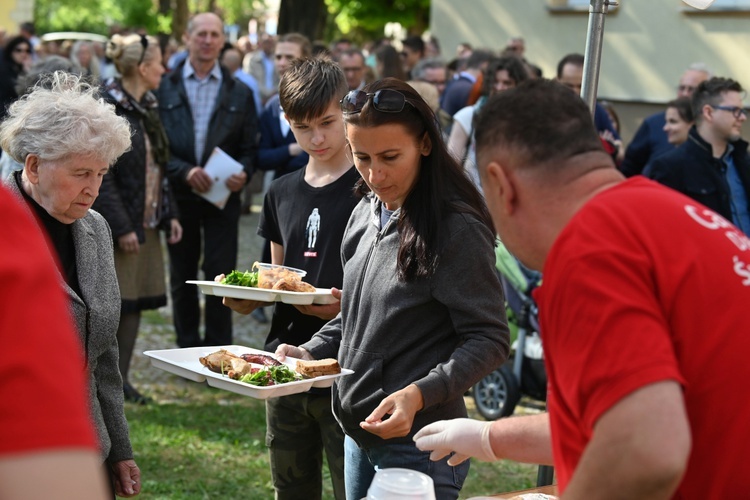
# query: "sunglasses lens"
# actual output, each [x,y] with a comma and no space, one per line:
[354,101]
[389,101]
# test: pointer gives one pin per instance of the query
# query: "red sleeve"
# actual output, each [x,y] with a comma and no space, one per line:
[607,324]
[43,383]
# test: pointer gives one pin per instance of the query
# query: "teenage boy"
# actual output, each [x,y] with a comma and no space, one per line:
[304,217]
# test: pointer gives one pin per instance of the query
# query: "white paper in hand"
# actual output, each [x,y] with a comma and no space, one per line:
[220,166]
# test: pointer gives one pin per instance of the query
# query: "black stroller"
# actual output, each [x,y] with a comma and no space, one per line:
[497,394]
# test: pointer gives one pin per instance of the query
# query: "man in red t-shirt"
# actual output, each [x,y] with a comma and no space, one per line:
[643,315]
[48,446]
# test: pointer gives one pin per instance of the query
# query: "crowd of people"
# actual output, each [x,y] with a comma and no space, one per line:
[387,172]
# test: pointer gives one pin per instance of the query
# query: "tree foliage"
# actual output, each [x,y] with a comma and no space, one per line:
[357,19]
[308,17]
[155,16]
[366,19]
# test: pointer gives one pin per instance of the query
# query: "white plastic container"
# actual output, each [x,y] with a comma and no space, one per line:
[401,484]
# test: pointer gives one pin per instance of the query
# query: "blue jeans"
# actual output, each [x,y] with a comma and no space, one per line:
[360,465]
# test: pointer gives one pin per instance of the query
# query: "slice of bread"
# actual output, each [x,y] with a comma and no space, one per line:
[318,367]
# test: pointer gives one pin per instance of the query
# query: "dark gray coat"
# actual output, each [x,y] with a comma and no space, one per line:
[97,316]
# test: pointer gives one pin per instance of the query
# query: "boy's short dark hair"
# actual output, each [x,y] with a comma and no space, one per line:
[710,92]
[309,86]
[539,123]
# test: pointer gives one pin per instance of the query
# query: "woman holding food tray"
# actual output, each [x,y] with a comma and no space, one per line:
[422,316]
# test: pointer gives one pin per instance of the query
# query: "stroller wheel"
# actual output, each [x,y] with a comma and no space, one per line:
[497,394]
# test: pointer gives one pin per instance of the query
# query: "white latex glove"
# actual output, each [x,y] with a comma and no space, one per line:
[462,436]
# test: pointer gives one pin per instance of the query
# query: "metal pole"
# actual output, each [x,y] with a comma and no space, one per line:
[597,10]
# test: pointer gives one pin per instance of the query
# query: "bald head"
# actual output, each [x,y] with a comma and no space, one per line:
[203,18]
[204,39]
[690,80]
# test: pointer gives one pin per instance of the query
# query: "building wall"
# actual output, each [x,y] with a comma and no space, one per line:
[647,43]
[15,12]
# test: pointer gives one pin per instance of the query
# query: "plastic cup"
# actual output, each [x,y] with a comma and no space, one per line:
[401,484]
[269,274]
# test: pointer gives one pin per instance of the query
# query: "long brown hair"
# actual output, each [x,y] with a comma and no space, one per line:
[441,187]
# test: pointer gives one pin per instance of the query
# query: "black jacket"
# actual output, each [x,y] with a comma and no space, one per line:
[122,195]
[233,128]
[692,170]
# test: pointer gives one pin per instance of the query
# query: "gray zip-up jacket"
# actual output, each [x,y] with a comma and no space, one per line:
[443,334]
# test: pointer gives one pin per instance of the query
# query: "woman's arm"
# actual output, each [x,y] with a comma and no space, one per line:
[58,473]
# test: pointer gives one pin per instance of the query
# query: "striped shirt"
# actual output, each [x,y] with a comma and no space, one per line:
[202,94]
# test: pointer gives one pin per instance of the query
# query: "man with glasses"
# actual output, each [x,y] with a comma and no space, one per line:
[352,63]
[713,165]
[431,70]
[650,140]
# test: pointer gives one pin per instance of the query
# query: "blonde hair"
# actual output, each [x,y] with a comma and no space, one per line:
[63,118]
[126,51]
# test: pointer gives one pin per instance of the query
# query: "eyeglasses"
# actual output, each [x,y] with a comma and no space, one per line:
[385,101]
[144,44]
[735,110]
[686,88]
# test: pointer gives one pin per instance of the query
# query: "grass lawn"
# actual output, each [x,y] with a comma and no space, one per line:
[196,442]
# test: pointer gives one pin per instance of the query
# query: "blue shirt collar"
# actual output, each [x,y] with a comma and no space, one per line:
[188,71]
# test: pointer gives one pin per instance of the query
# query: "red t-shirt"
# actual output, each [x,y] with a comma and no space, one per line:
[645,285]
[43,385]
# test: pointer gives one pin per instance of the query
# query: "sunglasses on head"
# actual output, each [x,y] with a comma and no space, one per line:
[385,101]
[144,44]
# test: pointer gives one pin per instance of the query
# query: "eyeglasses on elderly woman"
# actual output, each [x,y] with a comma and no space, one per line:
[384,100]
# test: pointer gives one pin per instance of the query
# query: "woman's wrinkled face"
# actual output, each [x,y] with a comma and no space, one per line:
[388,157]
[66,189]
[676,128]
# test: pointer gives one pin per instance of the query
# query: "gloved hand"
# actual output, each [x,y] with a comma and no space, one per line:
[463,436]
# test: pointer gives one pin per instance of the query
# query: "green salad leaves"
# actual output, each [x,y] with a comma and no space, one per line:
[271,375]
[242,279]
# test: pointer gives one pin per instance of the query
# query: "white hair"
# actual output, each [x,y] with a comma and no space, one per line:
[64,118]
[699,66]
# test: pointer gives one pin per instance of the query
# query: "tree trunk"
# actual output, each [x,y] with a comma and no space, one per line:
[180,19]
[303,16]
[165,7]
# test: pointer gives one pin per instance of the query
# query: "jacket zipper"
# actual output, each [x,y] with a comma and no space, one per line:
[375,243]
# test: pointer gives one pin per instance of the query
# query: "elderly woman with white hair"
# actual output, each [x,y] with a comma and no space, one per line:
[67,138]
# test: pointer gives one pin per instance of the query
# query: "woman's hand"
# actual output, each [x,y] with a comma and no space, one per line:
[285,350]
[128,242]
[401,406]
[326,311]
[175,232]
[127,478]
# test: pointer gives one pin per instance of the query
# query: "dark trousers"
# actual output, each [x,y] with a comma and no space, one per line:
[214,232]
